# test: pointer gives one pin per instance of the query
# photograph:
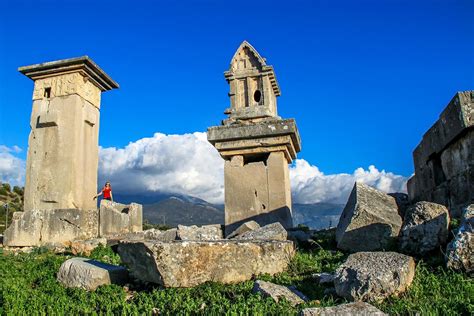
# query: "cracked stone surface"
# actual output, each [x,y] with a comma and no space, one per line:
[373,276]
[89,274]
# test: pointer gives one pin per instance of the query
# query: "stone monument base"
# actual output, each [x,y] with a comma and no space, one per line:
[37,227]
[40,227]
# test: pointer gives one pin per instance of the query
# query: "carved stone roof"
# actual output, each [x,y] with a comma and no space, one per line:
[83,64]
[261,65]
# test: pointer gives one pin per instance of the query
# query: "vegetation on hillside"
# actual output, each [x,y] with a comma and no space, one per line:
[11,198]
[28,286]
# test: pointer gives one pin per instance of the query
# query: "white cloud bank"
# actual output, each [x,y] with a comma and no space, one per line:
[309,185]
[12,168]
[188,164]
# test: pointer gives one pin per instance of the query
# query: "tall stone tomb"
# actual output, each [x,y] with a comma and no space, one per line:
[444,159]
[62,161]
[256,143]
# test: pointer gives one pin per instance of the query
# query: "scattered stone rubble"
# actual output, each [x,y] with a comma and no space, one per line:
[245,227]
[460,251]
[373,276]
[89,274]
[425,228]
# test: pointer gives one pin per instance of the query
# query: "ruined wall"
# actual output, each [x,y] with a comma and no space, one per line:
[444,160]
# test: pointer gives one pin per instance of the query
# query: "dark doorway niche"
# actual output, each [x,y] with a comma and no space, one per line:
[257,96]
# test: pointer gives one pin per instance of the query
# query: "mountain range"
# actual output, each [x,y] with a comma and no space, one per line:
[174,209]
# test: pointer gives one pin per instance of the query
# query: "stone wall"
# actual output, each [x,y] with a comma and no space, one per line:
[444,160]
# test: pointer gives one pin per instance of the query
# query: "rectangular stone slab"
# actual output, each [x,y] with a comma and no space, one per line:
[264,129]
[190,263]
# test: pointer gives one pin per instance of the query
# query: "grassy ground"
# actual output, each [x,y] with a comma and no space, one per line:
[28,286]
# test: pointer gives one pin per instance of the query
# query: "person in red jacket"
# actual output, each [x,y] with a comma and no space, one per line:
[107,191]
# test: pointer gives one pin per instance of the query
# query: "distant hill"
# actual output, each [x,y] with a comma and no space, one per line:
[174,209]
[317,215]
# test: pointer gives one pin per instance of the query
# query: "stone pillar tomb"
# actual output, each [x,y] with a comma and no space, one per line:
[63,154]
[256,143]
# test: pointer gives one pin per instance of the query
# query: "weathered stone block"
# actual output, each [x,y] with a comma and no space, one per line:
[350,309]
[460,251]
[116,218]
[89,274]
[273,231]
[369,221]
[245,227]
[35,228]
[425,228]
[277,292]
[373,276]
[206,232]
[190,263]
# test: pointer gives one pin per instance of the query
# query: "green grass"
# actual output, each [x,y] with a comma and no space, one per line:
[28,286]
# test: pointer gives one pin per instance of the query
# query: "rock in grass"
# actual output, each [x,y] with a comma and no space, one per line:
[351,309]
[424,229]
[277,292]
[245,227]
[369,221]
[373,276]
[85,247]
[190,263]
[206,232]
[89,274]
[274,231]
[460,251]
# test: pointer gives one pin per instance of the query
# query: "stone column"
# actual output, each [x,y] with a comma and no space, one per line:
[62,162]
[256,144]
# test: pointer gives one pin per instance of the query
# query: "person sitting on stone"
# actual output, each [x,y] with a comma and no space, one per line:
[107,191]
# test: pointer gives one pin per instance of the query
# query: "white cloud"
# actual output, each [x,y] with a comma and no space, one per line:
[188,164]
[12,169]
[310,185]
[185,164]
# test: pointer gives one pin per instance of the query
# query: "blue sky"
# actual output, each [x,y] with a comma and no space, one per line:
[363,79]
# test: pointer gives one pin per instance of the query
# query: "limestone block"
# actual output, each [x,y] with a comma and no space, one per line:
[245,227]
[89,274]
[190,263]
[277,292]
[369,221]
[166,235]
[373,276]
[425,228]
[273,231]
[350,309]
[206,232]
[460,251]
[116,218]
[268,131]
[35,228]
